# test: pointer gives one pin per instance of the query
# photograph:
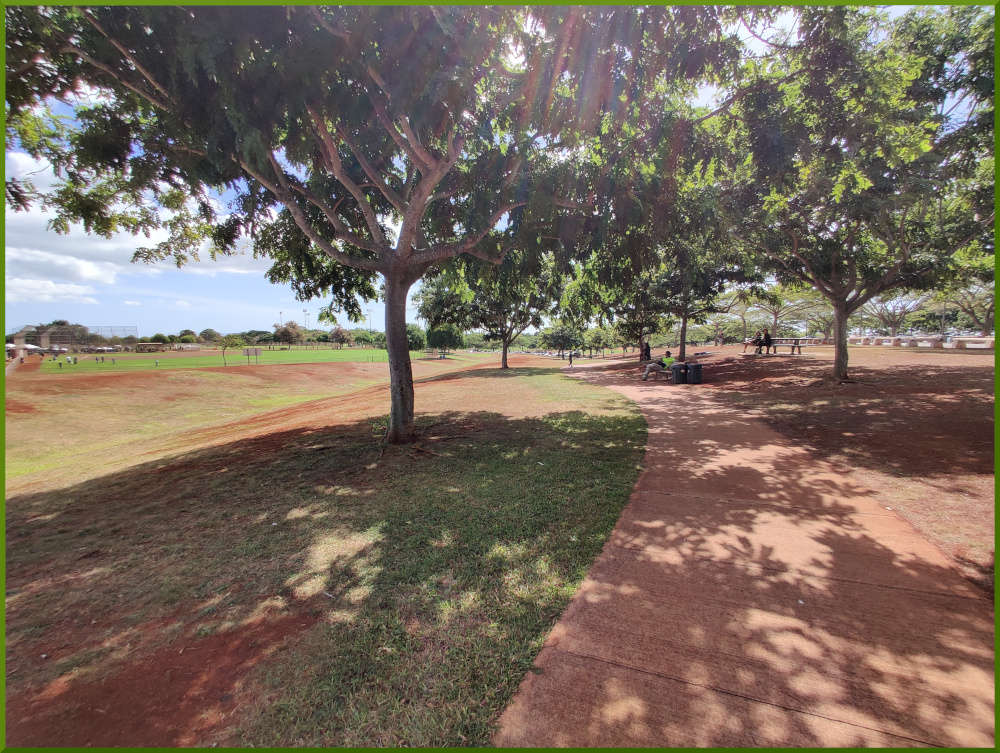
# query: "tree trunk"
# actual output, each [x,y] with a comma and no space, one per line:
[503,355]
[684,330]
[840,314]
[401,427]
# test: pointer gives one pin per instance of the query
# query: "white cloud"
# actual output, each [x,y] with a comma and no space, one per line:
[183,305]
[131,303]
[28,262]
[25,167]
[235,264]
[29,231]
[46,291]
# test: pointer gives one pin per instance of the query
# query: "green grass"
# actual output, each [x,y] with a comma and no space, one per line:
[435,571]
[89,363]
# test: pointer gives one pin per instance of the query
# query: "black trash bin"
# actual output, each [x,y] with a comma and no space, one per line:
[694,373]
[678,373]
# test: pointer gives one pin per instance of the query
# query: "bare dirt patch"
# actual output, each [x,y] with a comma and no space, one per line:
[177,695]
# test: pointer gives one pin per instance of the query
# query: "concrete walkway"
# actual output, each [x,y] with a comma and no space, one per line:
[753,594]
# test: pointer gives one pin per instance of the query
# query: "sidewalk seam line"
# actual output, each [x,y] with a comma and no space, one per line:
[714,689]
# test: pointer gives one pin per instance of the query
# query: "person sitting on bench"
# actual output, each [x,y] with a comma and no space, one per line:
[662,365]
[755,341]
[765,343]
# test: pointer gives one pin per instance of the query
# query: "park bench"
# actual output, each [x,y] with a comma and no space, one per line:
[796,344]
[978,342]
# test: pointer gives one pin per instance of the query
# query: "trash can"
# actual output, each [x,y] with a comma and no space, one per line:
[679,375]
[694,373]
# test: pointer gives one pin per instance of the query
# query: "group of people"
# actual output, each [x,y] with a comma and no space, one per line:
[761,340]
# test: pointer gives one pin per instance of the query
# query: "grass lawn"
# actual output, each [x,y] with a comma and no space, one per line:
[425,577]
[90,363]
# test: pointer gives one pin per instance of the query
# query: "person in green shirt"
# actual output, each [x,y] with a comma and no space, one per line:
[662,365]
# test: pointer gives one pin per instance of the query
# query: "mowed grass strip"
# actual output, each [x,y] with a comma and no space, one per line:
[433,571]
[90,363]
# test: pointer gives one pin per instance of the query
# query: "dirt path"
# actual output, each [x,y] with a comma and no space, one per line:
[754,594]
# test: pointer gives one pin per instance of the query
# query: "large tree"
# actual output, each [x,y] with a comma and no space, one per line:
[385,139]
[870,178]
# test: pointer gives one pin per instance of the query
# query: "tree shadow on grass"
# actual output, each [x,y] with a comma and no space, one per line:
[430,574]
[493,373]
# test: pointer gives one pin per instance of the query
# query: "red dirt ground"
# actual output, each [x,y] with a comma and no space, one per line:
[172,697]
[938,436]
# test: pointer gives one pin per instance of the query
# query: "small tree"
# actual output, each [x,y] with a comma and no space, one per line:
[159,337]
[445,336]
[415,338]
[363,337]
[476,340]
[289,332]
[209,335]
[341,337]
[230,341]
[561,337]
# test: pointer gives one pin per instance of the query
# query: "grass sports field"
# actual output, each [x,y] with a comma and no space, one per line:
[197,359]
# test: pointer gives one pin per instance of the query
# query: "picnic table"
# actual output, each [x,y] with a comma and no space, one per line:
[796,344]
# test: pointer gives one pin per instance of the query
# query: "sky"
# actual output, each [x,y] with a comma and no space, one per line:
[90,280]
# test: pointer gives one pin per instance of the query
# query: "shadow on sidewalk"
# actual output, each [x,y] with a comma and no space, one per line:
[752,595]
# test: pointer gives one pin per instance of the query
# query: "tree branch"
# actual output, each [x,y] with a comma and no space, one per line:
[117,77]
[382,114]
[128,56]
[283,194]
[333,161]
[391,196]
